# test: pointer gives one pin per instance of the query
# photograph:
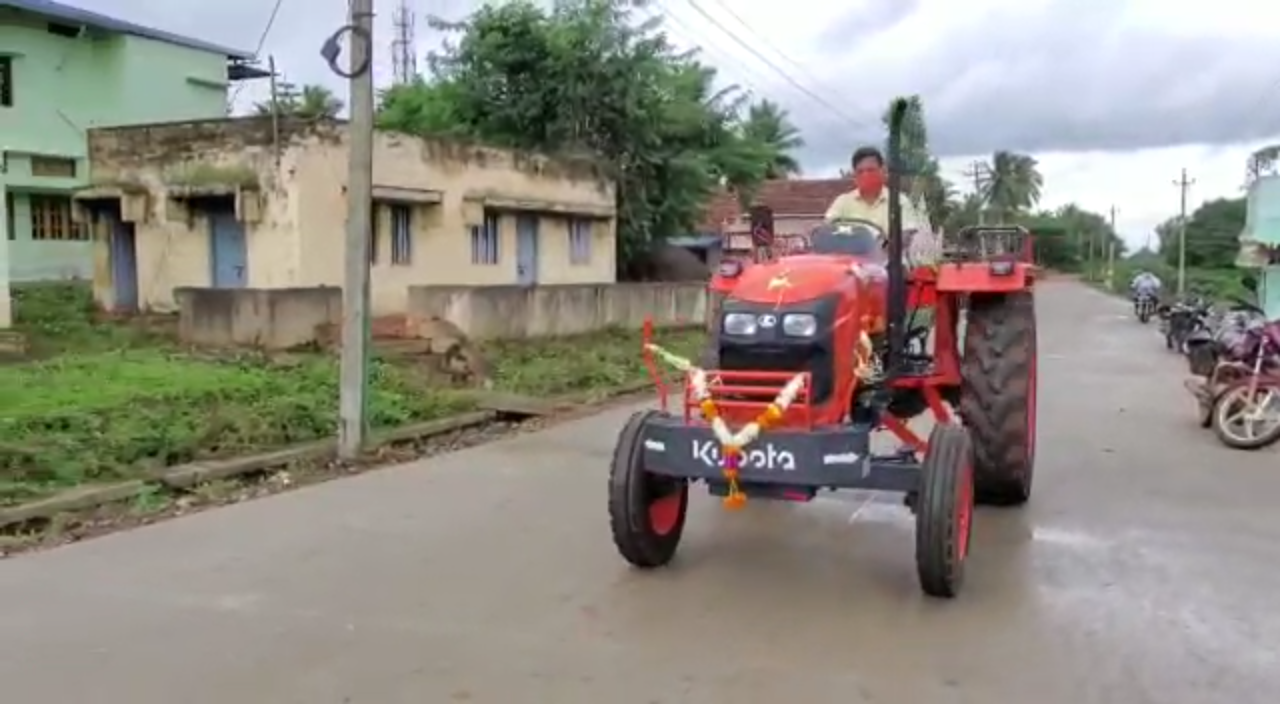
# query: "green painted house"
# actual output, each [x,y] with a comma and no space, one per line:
[64,70]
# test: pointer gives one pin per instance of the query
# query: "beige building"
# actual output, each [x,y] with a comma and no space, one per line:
[247,203]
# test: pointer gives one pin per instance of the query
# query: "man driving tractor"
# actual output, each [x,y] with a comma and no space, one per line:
[869,200]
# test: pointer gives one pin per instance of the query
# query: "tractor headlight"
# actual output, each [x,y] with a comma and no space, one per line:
[800,325]
[740,324]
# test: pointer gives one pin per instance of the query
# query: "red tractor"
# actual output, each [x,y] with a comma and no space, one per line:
[829,335]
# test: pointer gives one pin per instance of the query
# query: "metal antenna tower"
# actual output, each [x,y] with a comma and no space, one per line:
[403,47]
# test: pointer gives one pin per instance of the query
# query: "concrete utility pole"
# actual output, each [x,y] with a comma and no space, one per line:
[1111,250]
[354,380]
[6,300]
[978,171]
[1183,184]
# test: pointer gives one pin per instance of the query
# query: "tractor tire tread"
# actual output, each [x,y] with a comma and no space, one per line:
[997,367]
[628,519]
[938,565]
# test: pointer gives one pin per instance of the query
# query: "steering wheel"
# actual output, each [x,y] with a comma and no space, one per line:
[846,226]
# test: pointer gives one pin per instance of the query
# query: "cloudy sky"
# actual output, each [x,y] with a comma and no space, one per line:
[1114,97]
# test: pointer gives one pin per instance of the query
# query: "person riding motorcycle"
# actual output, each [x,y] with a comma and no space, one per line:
[869,199]
[1145,287]
[1145,283]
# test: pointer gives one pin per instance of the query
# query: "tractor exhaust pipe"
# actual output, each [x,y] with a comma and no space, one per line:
[896,319]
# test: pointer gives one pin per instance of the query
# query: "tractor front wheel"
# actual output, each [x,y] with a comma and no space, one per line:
[646,510]
[944,510]
[998,397]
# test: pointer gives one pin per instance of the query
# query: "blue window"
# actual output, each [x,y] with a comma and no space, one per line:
[401,234]
[484,241]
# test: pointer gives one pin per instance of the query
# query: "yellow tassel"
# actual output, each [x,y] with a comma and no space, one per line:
[735,499]
[709,410]
[772,414]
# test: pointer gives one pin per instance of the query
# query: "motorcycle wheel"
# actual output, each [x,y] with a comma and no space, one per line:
[1201,360]
[1233,404]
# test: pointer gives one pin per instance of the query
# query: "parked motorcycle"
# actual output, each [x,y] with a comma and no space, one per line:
[1240,398]
[1183,319]
[1144,306]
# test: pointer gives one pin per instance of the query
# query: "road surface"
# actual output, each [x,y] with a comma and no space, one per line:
[1144,570]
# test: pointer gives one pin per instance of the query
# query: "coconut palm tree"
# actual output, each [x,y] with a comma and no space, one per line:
[767,124]
[311,102]
[938,195]
[1012,185]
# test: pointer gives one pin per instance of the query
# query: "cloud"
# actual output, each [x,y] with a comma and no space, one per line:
[867,18]
[1036,75]
[1138,89]
[1029,75]
[1139,184]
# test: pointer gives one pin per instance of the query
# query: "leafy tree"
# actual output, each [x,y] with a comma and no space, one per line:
[915,155]
[311,102]
[584,78]
[923,179]
[421,107]
[1261,163]
[1213,232]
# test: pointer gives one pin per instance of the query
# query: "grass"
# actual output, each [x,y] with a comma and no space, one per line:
[577,364]
[100,402]
[111,416]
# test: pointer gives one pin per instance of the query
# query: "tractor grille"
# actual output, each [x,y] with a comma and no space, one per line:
[811,357]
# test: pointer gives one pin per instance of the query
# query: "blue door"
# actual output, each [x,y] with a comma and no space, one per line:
[228,252]
[527,250]
[122,254]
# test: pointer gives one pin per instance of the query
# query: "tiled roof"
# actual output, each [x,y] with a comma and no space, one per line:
[74,15]
[787,198]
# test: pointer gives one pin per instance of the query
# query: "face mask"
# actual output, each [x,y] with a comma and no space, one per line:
[869,183]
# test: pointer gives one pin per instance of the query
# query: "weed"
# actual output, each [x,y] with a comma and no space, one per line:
[107,402]
[581,363]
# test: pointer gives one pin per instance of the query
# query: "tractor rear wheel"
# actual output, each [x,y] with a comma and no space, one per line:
[944,510]
[998,401]
[646,510]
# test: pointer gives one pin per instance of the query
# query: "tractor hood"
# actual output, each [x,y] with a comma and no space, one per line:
[795,278]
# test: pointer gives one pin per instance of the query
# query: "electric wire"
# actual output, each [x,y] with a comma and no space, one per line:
[763,38]
[331,49]
[817,98]
[262,42]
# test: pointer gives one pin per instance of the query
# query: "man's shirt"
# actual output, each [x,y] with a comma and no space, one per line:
[849,206]
[1146,283]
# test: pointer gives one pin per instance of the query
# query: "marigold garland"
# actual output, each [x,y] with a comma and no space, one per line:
[732,444]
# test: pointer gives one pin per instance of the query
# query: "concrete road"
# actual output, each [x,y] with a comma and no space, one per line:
[1144,570]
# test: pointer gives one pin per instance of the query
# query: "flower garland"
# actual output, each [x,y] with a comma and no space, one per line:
[865,364]
[732,443]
